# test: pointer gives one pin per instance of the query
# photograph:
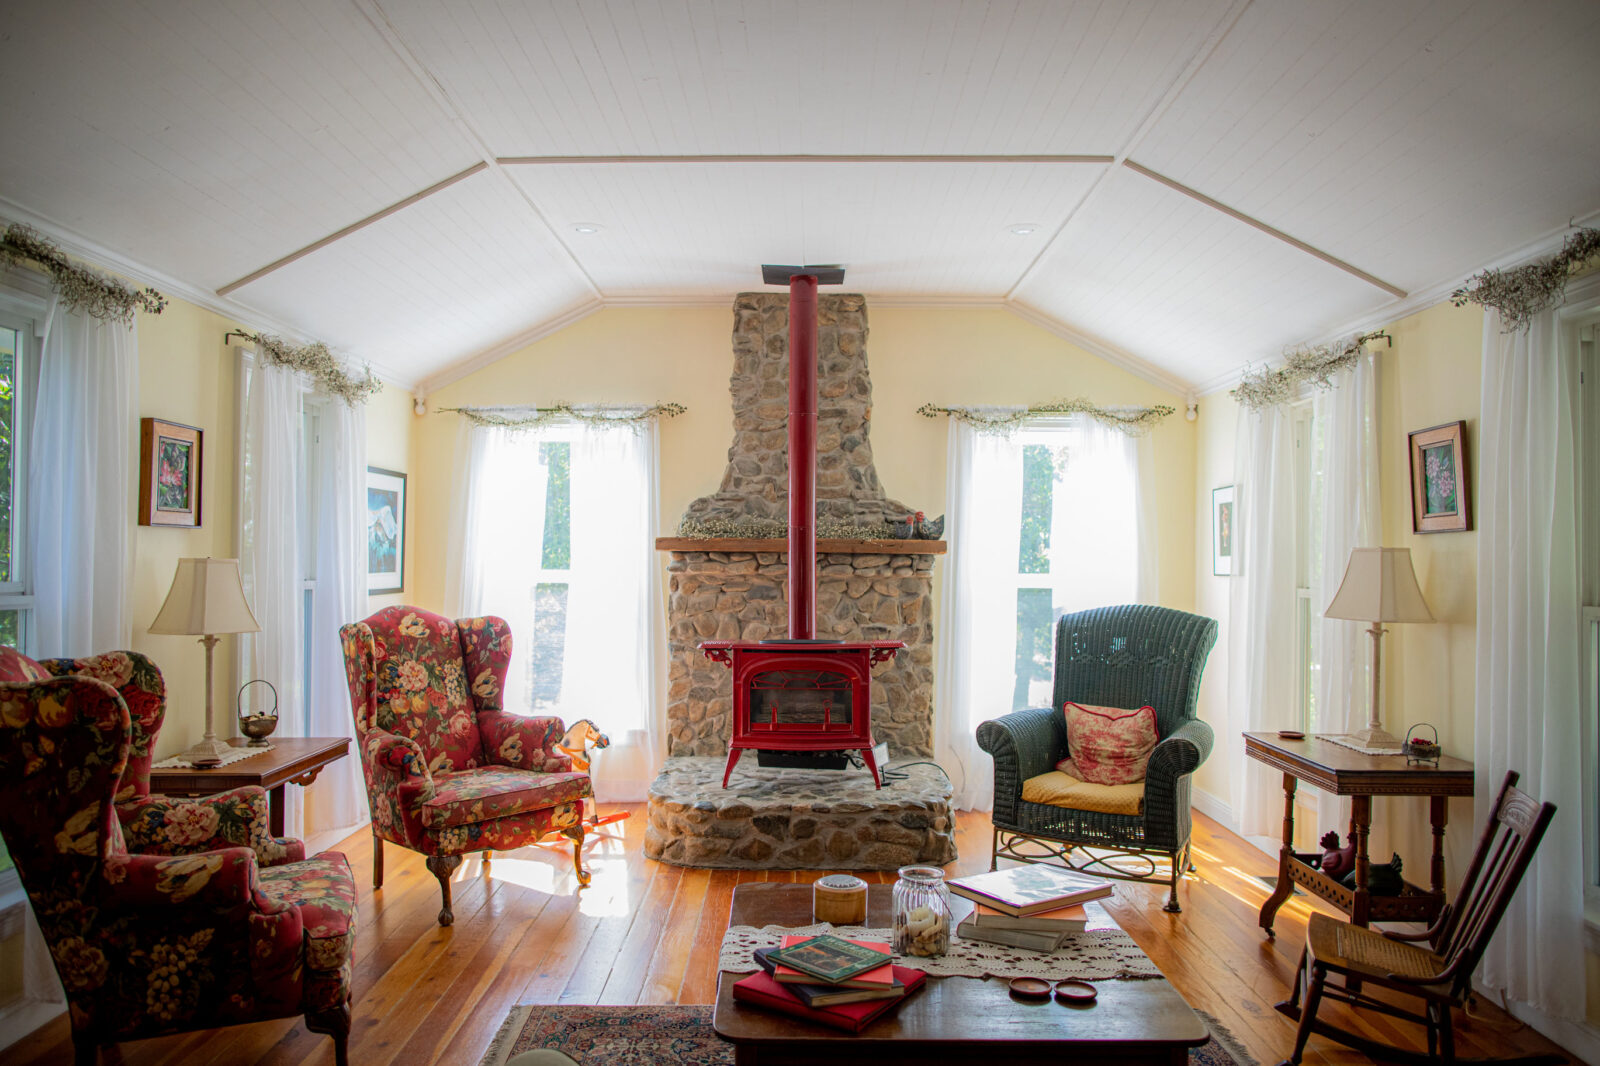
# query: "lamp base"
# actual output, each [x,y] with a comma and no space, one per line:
[209,749]
[1376,738]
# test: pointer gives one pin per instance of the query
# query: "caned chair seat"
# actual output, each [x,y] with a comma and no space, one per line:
[1365,952]
[1058,789]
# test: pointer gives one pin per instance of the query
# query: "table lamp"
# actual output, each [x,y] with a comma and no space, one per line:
[206,598]
[1379,586]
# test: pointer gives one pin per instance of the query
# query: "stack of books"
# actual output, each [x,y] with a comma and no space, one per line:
[1033,906]
[845,984]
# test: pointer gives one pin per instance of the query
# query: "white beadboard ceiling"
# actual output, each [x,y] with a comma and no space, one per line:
[1211,179]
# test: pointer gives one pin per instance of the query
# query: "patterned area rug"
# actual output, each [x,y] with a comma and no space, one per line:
[682,1036]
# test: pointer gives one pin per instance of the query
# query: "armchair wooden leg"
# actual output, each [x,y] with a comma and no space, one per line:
[85,1050]
[576,834]
[334,1023]
[377,860]
[442,866]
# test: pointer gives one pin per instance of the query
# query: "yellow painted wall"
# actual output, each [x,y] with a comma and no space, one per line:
[915,356]
[187,375]
[389,423]
[1429,376]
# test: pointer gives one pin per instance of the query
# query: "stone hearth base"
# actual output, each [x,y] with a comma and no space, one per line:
[796,819]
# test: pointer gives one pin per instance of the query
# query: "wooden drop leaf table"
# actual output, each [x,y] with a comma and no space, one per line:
[290,760]
[1344,771]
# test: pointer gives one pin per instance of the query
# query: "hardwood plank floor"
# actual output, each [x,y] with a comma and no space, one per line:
[644,932]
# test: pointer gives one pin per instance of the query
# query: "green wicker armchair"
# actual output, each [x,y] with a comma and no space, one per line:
[1112,657]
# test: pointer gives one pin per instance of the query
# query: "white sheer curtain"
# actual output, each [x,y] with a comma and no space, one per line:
[80,483]
[605,629]
[269,547]
[1093,548]
[339,800]
[1528,648]
[976,665]
[1347,515]
[1261,609]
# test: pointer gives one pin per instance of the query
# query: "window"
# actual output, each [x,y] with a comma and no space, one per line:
[18,367]
[309,482]
[1587,334]
[552,578]
[1308,557]
[1077,539]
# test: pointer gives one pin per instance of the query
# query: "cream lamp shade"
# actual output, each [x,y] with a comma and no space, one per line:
[1379,586]
[206,598]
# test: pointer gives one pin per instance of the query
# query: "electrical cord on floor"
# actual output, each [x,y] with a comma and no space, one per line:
[888,776]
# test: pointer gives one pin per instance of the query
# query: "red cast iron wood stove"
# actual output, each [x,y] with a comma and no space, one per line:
[802,694]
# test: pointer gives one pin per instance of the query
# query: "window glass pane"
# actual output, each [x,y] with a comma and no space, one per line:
[1035,621]
[1038,480]
[11,628]
[556,456]
[549,644]
[8,378]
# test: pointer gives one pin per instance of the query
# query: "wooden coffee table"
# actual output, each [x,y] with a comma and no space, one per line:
[956,1019]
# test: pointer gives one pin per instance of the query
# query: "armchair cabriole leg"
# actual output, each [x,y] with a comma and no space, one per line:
[377,860]
[442,866]
[334,1023]
[575,833]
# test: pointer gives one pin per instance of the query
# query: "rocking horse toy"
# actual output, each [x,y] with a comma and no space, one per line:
[577,743]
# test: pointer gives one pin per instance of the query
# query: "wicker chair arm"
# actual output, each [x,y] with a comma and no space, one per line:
[1184,749]
[1024,744]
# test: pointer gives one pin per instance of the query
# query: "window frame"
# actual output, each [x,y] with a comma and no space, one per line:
[1581,327]
[23,310]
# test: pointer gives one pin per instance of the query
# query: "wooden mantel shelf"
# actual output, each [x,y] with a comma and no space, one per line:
[780,545]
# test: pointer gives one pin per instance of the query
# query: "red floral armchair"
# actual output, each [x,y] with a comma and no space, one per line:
[448,769]
[162,915]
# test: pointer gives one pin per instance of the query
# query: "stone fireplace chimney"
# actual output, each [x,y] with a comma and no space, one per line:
[727,575]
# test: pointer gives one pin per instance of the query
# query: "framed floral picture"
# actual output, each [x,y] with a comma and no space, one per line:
[1440,500]
[170,465]
[1222,531]
[386,530]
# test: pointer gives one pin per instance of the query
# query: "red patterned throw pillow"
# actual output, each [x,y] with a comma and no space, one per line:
[1109,745]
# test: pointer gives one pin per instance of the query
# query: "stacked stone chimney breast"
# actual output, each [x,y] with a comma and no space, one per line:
[869,594]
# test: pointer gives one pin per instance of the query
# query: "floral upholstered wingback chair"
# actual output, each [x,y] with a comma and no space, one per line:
[162,915]
[449,770]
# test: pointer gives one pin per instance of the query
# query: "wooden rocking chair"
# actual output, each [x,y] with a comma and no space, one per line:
[1440,977]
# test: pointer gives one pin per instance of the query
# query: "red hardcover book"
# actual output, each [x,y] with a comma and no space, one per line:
[760,990]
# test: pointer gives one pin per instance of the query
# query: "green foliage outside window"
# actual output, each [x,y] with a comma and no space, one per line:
[557,458]
[8,363]
[1038,474]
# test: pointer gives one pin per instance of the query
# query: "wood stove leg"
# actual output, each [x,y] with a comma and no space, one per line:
[733,760]
[872,764]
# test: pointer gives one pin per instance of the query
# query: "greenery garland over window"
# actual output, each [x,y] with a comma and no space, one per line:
[766,529]
[80,288]
[317,361]
[588,414]
[1302,366]
[1134,421]
[1522,292]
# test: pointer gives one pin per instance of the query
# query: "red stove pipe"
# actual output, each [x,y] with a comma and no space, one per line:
[802,457]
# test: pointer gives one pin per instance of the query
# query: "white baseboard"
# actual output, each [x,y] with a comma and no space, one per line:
[1580,1038]
[1213,808]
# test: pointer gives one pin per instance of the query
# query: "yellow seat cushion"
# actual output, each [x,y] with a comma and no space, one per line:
[1063,790]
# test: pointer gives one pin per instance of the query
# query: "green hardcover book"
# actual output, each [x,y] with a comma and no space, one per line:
[830,959]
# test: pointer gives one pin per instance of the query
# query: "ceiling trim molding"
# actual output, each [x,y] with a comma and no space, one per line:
[242,314]
[1420,300]
[376,216]
[1197,59]
[1104,349]
[587,160]
[1271,231]
[474,363]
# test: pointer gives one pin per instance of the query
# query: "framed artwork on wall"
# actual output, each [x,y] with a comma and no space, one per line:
[1439,485]
[1222,531]
[386,530]
[170,465]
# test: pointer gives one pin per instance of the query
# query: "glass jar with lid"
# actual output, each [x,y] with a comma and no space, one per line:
[921,912]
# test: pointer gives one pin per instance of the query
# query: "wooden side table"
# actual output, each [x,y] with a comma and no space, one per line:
[290,760]
[1346,772]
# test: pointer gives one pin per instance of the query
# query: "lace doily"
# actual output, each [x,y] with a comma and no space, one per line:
[233,755]
[1095,955]
[1348,740]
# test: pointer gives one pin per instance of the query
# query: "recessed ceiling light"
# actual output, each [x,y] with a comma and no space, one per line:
[586,227]
[1022,229]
